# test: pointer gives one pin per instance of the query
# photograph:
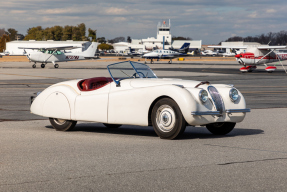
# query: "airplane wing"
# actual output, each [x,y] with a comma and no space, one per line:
[272,47]
[51,48]
[229,47]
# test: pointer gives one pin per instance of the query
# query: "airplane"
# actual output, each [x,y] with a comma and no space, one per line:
[166,53]
[257,55]
[4,54]
[182,49]
[47,55]
[209,52]
[138,53]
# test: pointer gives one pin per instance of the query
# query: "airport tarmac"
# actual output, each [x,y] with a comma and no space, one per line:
[34,157]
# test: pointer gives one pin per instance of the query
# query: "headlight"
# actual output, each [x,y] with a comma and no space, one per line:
[203,95]
[233,94]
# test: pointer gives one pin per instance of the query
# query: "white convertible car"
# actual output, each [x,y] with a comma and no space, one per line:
[134,95]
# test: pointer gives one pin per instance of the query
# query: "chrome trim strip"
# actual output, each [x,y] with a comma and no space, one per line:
[205,113]
[238,110]
[218,112]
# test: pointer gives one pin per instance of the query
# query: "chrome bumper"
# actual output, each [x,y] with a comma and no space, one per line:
[218,112]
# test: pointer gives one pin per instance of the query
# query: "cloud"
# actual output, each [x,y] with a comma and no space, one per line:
[208,20]
[270,11]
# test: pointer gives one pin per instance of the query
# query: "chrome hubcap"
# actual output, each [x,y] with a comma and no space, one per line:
[165,118]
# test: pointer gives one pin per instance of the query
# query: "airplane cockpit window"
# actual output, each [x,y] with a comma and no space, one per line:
[57,53]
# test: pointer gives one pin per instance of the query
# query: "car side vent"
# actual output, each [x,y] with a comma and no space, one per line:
[217,99]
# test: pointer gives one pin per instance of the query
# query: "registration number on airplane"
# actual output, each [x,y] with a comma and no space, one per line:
[72,57]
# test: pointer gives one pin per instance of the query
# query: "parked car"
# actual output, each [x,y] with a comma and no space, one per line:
[134,95]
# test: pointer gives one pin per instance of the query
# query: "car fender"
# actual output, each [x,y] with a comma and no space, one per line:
[136,103]
[55,101]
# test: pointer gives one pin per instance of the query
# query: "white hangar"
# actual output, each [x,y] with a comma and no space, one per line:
[163,35]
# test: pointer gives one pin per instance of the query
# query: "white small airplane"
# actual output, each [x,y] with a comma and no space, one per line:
[138,53]
[4,54]
[46,55]
[227,54]
[167,53]
[258,55]
[209,52]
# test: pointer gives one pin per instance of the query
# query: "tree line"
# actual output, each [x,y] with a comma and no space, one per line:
[6,36]
[59,33]
[279,38]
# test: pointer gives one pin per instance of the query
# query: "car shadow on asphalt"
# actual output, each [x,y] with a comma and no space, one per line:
[190,132]
[203,133]
[123,130]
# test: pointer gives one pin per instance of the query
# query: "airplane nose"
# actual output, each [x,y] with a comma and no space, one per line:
[237,56]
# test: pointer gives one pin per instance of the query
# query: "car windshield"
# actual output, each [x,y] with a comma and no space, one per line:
[129,69]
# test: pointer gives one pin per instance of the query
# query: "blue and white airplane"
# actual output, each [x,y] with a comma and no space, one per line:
[167,53]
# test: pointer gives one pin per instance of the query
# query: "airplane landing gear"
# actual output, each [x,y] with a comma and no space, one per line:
[248,69]
[43,65]
[270,69]
[170,61]
[151,61]
[34,65]
[56,66]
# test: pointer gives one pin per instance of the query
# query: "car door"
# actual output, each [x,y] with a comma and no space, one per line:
[93,105]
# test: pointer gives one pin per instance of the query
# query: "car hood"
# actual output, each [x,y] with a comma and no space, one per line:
[142,82]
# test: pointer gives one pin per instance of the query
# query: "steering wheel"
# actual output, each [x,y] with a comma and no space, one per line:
[140,74]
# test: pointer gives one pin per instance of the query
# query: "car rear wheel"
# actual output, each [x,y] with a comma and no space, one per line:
[62,125]
[167,119]
[112,125]
[220,128]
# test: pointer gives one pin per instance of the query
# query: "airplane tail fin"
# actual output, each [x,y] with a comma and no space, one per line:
[90,52]
[185,45]
[184,48]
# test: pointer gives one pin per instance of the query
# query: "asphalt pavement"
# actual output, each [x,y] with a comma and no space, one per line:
[35,157]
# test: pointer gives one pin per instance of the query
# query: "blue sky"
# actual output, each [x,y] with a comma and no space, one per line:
[207,20]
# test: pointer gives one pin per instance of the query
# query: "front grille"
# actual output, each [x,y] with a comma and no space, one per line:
[216,97]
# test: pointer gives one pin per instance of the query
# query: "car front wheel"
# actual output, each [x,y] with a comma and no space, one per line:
[167,119]
[62,125]
[220,128]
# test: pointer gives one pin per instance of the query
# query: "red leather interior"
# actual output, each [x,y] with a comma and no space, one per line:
[93,83]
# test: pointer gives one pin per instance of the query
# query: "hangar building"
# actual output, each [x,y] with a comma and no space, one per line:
[163,35]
